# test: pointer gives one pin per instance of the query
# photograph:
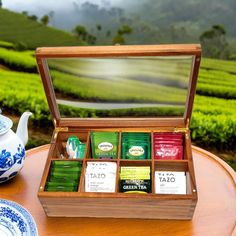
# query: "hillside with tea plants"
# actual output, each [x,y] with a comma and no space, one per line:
[24,32]
[213,123]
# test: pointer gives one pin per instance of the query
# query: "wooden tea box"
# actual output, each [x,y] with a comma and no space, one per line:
[125,89]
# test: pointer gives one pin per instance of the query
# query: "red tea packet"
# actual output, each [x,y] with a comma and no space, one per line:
[168,152]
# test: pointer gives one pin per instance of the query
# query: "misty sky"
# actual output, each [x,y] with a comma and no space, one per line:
[36,5]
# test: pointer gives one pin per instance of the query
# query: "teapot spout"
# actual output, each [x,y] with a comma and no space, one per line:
[22,129]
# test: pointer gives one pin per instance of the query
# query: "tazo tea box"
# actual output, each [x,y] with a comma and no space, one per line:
[170,182]
[104,145]
[100,177]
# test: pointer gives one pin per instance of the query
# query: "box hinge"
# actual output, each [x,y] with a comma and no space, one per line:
[60,129]
[183,129]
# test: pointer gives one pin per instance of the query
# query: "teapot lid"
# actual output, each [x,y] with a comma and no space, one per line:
[5,124]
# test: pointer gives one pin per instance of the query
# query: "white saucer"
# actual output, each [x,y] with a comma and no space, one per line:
[16,220]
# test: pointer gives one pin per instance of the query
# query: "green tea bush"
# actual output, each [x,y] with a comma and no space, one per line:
[213,121]
[219,65]
[20,61]
[8,45]
[29,96]
[68,111]
[218,131]
[217,83]
[17,28]
[114,90]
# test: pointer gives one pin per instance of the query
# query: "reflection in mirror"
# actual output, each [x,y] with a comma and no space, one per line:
[121,87]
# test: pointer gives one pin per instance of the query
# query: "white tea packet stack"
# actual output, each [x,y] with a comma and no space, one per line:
[170,182]
[100,177]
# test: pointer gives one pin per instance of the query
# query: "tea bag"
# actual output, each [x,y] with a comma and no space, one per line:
[100,177]
[64,176]
[170,182]
[104,145]
[135,145]
[168,146]
[135,179]
[74,148]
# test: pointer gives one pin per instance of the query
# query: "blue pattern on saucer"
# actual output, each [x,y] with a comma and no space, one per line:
[13,215]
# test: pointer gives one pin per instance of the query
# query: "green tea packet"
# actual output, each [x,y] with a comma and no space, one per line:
[64,176]
[136,146]
[61,187]
[135,179]
[66,164]
[104,145]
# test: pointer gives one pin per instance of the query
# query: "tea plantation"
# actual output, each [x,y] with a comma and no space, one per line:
[213,121]
[19,29]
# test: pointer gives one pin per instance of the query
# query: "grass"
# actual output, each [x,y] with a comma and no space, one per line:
[17,28]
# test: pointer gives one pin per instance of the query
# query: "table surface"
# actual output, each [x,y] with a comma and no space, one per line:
[215,213]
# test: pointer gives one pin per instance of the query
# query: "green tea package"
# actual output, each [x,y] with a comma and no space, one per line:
[135,179]
[104,145]
[136,146]
[64,176]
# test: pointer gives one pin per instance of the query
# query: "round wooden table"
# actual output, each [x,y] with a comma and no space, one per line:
[215,213]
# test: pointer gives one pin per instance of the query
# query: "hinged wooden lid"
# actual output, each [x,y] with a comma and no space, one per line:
[127,86]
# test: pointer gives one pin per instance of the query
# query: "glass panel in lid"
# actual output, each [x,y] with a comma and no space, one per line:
[121,86]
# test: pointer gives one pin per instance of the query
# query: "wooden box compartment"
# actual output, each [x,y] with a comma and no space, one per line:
[118,205]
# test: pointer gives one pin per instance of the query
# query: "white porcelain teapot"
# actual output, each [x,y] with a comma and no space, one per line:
[12,146]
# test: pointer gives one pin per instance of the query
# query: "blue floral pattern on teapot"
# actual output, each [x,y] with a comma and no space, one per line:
[12,151]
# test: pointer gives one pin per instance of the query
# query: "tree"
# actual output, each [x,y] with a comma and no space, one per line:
[214,42]
[125,29]
[0,3]
[119,37]
[33,17]
[45,19]
[108,33]
[81,32]
[91,39]
[25,13]
[99,27]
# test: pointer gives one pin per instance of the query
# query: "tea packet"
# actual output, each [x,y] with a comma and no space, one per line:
[135,179]
[135,145]
[170,182]
[168,145]
[104,145]
[75,148]
[64,176]
[100,177]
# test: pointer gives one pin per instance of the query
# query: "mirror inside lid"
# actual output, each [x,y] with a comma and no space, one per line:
[127,84]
